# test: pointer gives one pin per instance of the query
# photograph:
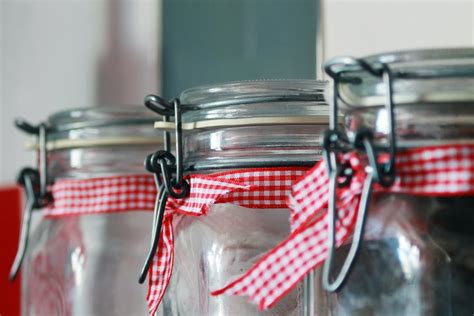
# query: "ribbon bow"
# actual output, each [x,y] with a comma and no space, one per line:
[254,188]
[204,192]
[430,171]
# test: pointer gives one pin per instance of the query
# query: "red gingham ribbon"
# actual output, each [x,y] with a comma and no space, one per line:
[253,188]
[102,195]
[430,171]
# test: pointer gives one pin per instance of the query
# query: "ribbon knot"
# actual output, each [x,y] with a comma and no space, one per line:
[204,192]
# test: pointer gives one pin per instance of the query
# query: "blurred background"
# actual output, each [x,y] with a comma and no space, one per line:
[57,54]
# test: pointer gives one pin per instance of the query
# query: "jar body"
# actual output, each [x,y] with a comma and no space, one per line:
[214,249]
[87,265]
[416,258]
[257,124]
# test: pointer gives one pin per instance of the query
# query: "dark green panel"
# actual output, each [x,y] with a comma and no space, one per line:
[209,41]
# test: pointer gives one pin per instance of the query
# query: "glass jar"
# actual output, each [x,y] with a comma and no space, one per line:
[87,264]
[249,125]
[417,253]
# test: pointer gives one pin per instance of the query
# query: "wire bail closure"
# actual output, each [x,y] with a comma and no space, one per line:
[168,171]
[41,131]
[35,184]
[336,142]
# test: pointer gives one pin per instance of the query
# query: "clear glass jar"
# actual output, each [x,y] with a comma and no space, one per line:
[213,249]
[87,264]
[417,253]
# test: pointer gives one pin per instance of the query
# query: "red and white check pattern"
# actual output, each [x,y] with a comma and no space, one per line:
[253,188]
[102,195]
[431,171]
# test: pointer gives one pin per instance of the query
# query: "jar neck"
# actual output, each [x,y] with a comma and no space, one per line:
[417,125]
[255,146]
[95,162]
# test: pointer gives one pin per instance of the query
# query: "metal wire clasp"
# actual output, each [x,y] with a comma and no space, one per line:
[35,184]
[168,172]
[335,174]
[335,141]
[41,131]
[29,179]
[338,69]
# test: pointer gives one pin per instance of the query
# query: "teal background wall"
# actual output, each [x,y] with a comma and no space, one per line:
[211,41]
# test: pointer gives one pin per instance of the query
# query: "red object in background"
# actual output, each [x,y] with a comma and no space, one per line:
[10,220]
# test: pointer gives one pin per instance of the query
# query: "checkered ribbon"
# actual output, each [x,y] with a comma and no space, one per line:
[431,171]
[253,188]
[102,195]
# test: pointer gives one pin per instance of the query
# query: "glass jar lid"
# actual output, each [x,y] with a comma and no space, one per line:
[246,92]
[250,99]
[253,124]
[432,95]
[101,126]
[419,76]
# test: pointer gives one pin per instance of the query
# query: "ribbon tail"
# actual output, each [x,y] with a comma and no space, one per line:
[204,192]
[160,271]
[309,196]
[280,270]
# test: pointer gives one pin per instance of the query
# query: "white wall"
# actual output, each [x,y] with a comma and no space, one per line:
[362,27]
[60,54]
